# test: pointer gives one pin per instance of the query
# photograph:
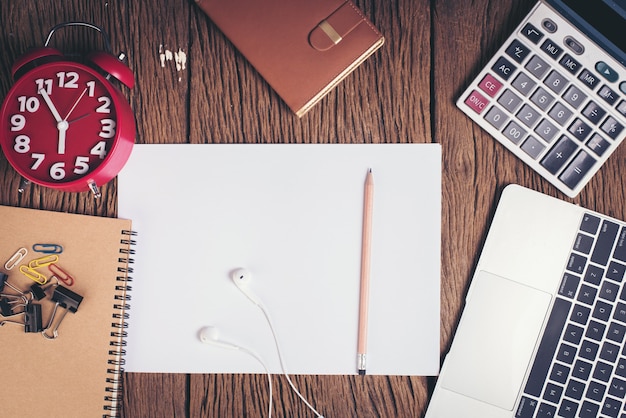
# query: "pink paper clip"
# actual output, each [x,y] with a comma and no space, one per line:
[61,275]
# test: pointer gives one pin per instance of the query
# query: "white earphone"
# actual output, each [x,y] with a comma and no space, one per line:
[210,335]
[242,278]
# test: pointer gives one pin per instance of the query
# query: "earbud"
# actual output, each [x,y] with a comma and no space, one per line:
[211,335]
[242,277]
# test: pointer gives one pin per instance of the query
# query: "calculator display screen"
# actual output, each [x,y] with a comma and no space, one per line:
[603,21]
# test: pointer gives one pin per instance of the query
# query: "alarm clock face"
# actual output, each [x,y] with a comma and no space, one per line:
[59,123]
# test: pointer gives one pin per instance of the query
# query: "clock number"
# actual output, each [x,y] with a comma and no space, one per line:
[28,103]
[38,160]
[44,85]
[108,128]
[57,171]
[22,144]
[91,88]
[106,103]
[99,149]
[18,122]
[82,165]
[68,79]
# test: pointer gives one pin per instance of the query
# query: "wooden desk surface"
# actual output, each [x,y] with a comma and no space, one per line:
[404,93]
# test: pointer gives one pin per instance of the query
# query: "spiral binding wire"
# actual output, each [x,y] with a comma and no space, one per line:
[121,306]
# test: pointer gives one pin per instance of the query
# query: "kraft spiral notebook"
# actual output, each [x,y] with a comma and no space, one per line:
[303,49]
[68,362]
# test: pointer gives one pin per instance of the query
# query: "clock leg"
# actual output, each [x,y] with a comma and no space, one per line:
[23,185]
[94,189]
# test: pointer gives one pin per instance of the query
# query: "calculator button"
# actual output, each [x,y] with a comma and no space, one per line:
[574,96]
[477,102]
[490,85]
[570,64]
[577,169]
[533,147]
[552,49]
[608,95]
[496,117]
[546,130]
[523,84]
[504,68]
[622,87]
[606,71]
[598,145]
[509,100]
[537,67]
[575,46]
[518,51]
[514,132]
[528,116]
[532,33]
[549,25]
[612,127]
[560,114]
[556,82]
[580,130]
[588,78]
[542,98]
[559,154]
[593,112]
[621,107]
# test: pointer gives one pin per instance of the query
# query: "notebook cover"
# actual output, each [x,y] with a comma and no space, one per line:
[302,48]
[77,374]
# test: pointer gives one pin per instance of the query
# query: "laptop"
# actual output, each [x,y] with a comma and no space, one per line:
[542,331]
[554,94]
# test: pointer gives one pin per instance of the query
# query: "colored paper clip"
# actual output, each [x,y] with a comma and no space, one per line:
[16,258]
[43,261]
[60,274]
[48,248]
[33,274]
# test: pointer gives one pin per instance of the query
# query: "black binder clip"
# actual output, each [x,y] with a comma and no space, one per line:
[66,299]
[5,282]
[31,313]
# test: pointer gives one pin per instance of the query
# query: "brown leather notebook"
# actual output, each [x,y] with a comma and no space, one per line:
[302,48]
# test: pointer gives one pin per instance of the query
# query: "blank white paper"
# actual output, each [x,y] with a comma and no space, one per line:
[292,215]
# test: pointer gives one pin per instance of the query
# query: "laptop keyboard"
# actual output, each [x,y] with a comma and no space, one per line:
[580,366]
[553,98]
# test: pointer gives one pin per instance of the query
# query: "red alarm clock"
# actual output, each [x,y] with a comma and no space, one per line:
[64,124]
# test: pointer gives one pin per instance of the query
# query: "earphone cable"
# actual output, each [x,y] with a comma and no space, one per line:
[269,376]
[282,364]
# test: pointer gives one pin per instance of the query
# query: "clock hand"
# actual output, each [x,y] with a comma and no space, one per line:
[50,105]
[76,119]
[75,104]
[63,125]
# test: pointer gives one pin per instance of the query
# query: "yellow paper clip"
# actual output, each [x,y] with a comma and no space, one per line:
[61,275]
[32,274]
[43,261]
[16,258]
[48,248]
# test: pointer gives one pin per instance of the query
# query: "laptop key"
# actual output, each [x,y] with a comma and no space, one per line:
[568,409]
[604,243]
[611,407]
[589,410]
[546,411]
[620,248]
[547,347]
[590,223]
[526,408]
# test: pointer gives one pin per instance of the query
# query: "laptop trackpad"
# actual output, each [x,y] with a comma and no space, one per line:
[495,340]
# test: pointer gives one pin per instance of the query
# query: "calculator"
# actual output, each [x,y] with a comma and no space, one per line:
[554,94]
